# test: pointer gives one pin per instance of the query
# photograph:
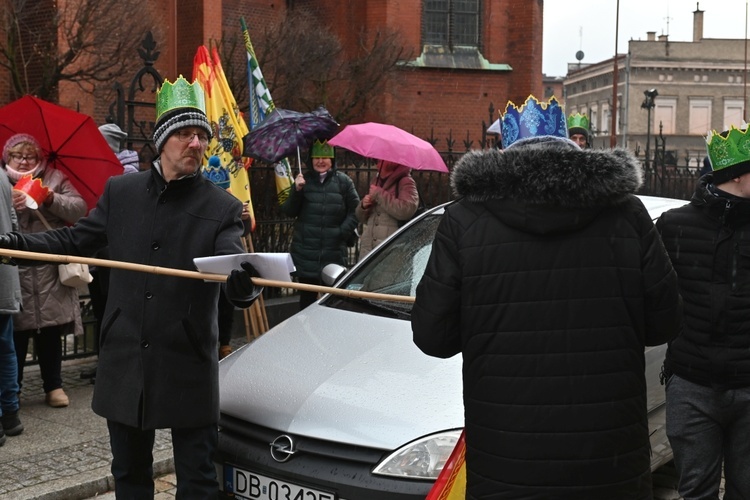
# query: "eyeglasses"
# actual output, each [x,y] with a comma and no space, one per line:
[18,157]
[185,135]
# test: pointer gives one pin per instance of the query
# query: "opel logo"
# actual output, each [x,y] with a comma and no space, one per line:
[282,448]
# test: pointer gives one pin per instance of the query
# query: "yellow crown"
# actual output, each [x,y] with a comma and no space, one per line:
[179,94]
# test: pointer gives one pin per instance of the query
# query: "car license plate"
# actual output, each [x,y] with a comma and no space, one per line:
[254,486]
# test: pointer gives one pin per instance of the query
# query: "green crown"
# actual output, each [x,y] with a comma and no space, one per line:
[179,94]
[730,150]
[321,150]
[578,121]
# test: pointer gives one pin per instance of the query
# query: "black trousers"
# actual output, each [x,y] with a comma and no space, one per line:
[132,462]
[48,349]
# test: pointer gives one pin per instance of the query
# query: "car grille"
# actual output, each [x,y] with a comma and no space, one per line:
[337,467]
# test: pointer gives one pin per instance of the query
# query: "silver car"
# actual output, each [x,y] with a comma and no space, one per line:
[337,402]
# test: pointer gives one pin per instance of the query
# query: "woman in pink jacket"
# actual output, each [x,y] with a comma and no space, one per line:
[392,199]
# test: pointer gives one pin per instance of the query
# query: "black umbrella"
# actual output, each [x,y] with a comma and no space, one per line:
[283,131]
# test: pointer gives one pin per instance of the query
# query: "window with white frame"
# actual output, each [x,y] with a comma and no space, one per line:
[593,119]
[700,116]
[733,113]
[606,119]
[664,114]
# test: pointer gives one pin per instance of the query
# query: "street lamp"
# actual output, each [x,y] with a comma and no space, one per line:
[648,105]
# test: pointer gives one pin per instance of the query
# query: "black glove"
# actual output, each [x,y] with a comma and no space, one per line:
[13,241]
[240,288]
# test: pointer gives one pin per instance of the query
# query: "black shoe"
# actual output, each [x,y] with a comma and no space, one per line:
[2,436]
[11,424]
[89,373]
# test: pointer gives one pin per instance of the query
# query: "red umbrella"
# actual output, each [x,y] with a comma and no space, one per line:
[387,142]
[71,142]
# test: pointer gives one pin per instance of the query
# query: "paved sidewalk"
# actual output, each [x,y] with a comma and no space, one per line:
[63,453]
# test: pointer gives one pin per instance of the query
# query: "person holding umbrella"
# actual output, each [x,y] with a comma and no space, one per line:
[158,366]
[50,309]
[392,199]
[324,203]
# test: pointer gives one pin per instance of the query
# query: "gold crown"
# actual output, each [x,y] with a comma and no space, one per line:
[179,94]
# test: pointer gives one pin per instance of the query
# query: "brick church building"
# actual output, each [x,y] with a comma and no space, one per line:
[466,55]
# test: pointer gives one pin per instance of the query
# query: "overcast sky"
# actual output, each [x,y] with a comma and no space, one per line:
[589,26]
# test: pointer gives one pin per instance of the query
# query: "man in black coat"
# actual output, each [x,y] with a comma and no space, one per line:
[158,366]
[708,365]
[548,276]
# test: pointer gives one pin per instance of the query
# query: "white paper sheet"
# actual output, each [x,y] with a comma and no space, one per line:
[271,266]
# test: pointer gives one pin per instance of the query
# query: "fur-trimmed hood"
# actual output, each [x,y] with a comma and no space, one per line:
[547,187]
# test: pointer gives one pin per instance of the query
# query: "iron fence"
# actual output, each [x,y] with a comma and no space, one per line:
[133,112]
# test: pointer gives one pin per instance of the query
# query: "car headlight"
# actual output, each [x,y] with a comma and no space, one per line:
[420,459]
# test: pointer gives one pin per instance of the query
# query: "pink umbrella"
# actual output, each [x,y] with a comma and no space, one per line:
[386,142]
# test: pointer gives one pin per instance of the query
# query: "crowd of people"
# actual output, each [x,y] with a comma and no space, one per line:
[555,403]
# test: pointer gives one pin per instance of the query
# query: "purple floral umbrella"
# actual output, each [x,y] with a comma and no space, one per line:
[283,131]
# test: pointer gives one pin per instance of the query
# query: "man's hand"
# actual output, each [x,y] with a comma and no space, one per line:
[13,241]
[240,288]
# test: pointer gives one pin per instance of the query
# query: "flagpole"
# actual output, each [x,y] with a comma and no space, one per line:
[613,111]
[744,96]
[183,273]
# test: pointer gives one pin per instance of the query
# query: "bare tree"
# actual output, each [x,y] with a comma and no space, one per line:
[85,42]
[305,66]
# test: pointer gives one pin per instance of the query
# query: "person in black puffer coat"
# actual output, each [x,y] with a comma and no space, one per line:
[324,203]
[707,367]
[549,277]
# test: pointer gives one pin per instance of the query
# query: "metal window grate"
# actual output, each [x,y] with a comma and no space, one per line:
[451,22]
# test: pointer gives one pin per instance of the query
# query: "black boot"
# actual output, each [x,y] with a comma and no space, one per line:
[2,436]
[11,424]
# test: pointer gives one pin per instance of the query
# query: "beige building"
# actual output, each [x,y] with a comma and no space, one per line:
[699,85]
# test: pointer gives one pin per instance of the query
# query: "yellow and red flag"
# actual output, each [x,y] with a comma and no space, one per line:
[451,482]
[223,161]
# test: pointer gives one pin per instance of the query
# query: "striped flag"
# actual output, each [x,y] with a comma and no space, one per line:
[224,162]
[451,483]
[261,104]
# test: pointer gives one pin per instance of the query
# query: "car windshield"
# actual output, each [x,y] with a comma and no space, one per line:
[394,268]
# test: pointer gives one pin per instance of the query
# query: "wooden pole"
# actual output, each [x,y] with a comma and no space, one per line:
[182,273]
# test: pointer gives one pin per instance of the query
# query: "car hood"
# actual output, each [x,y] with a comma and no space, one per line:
[342,376]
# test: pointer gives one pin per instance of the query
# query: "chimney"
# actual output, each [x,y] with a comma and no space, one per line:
[663,38]
[651,36]
[697,23]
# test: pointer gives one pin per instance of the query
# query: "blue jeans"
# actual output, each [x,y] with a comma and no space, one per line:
[706,427]
[8,367]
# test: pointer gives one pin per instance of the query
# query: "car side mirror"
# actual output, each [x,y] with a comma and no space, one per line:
[331,273]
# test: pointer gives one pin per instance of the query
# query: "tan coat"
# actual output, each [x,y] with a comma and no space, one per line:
[46,302]
[396,199]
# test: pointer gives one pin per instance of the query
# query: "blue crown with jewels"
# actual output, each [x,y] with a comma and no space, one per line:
[532,119]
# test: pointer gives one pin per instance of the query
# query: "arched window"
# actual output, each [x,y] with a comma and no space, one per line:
[451,23]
